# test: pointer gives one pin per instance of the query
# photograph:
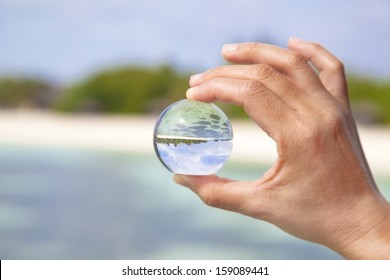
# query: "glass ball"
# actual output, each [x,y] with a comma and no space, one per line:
[193,138]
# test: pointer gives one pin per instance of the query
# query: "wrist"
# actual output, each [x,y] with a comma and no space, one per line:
[370,236]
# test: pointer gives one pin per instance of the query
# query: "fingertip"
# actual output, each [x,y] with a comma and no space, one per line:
[195,180]
[190,94]
[229,48]
[195,79]
[228,51]
[294,42]
[199,93]
[180,179]
[190,181]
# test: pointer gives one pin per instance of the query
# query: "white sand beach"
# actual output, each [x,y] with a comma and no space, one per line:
[135,134]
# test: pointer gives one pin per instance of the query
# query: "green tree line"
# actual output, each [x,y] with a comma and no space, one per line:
[138,90]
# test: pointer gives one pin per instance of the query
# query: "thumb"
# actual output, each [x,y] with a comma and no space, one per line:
[219,192]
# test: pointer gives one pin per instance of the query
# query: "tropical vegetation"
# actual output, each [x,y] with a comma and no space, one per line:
[145,90]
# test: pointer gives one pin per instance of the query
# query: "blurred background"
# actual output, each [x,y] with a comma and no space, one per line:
[81,84]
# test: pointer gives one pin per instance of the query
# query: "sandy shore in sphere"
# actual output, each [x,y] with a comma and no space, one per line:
[135,134]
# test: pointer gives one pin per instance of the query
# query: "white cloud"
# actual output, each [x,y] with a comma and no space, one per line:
[199,158]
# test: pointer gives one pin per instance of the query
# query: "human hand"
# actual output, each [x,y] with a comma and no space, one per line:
[320,187]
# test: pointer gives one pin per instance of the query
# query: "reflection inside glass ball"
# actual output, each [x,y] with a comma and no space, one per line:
[193,138]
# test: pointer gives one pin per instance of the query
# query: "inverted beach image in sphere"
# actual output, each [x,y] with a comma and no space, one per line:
[192,137]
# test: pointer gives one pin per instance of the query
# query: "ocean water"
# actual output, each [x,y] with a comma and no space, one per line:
[78,204]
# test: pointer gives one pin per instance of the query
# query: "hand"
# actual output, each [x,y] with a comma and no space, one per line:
[320,187]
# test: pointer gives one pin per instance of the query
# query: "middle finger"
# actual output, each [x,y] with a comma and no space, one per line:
[263,73]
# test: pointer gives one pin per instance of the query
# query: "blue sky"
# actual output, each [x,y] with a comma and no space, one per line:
[68,40]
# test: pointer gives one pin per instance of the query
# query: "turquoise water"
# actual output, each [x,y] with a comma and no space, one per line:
[75,204]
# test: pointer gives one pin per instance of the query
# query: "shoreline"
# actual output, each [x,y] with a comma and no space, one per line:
[135,134]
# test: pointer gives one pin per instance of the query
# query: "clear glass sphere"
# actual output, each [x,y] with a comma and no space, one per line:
[193,138]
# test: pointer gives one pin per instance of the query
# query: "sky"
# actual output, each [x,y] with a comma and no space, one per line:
[68,40]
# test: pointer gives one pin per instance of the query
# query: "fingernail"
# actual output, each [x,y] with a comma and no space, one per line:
[229,47]
[295,40]
[195,78]
[191,93]
[179,180]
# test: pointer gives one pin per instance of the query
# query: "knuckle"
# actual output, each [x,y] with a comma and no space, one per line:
[264,71]
[310,134]
[310,139]
[305,132]
[252,47]
[207,198]
[329,123]
[315,46]
[336,65]
[334,120]
[258,98]
[261,212]
[254,88]
[259,209]
[296,59]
